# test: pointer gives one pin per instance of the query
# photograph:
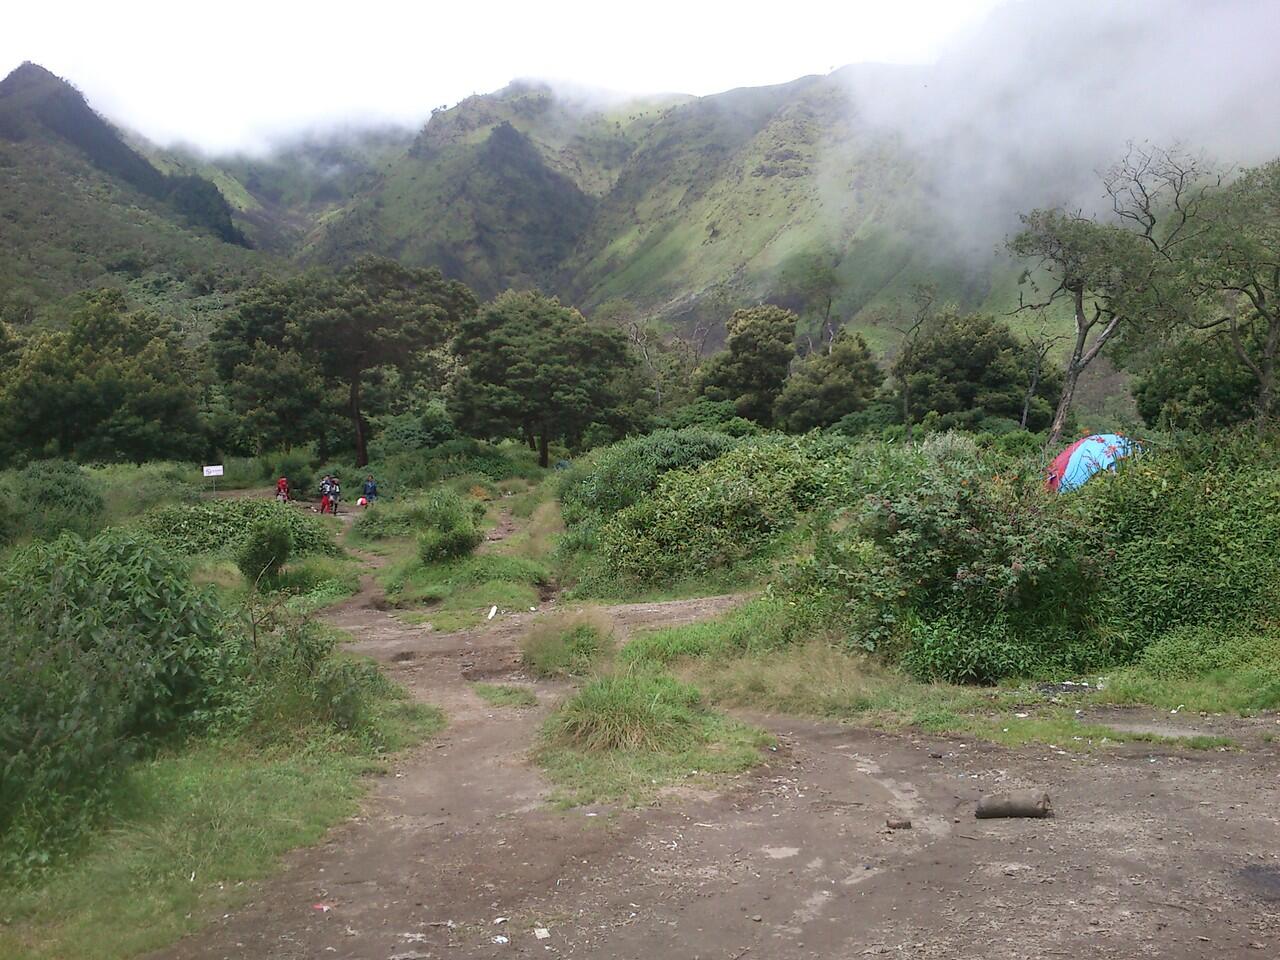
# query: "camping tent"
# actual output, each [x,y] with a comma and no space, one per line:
[1080,461]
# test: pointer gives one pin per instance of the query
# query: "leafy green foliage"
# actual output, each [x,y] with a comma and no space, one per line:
[116,386]
[724,511]
[968,368]
[618,476]
[265,549]
[719,415]
[535,368]
[1194,535]
[222,525]
[48,497]
[106,642]
[1196,385]
[750,373]
[447,524]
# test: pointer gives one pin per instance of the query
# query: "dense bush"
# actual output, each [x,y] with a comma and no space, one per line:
[718,415]
[50,497]
[965,574]
[1195,534]
[223,525]
[109,651]
[618,476]
[265,549]
[106,642]
[447,525]
[727,510]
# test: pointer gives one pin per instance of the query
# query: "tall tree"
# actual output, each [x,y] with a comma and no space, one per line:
[1121,274]
[280,397]
[1234,264]
[116,385]
[971,367]
[751,371]
[371,315]
[534,368]
[827,386]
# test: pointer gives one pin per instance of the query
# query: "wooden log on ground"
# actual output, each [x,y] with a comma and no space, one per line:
[1019,803]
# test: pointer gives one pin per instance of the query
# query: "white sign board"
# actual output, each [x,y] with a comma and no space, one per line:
[214,471]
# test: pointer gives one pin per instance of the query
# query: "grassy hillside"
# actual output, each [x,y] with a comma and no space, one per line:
[80,208]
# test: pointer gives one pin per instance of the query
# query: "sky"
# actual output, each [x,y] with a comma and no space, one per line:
[237,75]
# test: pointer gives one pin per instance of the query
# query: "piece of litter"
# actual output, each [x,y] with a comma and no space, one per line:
[192,878]
[498,920]
[492,610]
[1022,716]
[533,609]
[542,933]
[501,939]
[593,814]
[322,907]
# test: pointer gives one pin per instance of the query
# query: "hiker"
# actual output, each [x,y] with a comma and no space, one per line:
[335,494]
[369,490]
[326,490]
[282,489]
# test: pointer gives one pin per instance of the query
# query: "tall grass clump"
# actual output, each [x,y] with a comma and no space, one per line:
[449,526]
[567,646]
[637,710]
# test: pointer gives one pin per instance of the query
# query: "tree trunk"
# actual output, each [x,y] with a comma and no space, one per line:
[1031,392]
[1064,404]
[906,409]
[1266,394]
[528,435]
[544,456]
[362,449]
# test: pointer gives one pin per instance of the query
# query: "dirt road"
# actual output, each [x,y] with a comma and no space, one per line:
[1154,853]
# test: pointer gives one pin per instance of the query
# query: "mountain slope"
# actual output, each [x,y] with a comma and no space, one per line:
[80,208]
[674,203]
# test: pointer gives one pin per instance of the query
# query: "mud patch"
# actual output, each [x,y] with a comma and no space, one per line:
[1264,882]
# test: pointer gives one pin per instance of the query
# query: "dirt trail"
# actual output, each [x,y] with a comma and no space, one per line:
[1155,852]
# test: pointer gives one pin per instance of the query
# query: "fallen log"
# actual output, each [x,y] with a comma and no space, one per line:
[1020,803]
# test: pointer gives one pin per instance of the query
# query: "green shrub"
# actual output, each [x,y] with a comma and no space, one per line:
[55,496]
[562,647]
[1194,536]
[718,415]
[265,549]
[435,546]
[220,525]
[106,643]
[296,467]
[447,524]
[618,476]
[727,510]
[638,710]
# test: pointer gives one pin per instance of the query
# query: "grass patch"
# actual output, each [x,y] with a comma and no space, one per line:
[461,592]
[190,828]
[1215,670]
[567,645]
[819,680]
[624,736]
[505,695]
